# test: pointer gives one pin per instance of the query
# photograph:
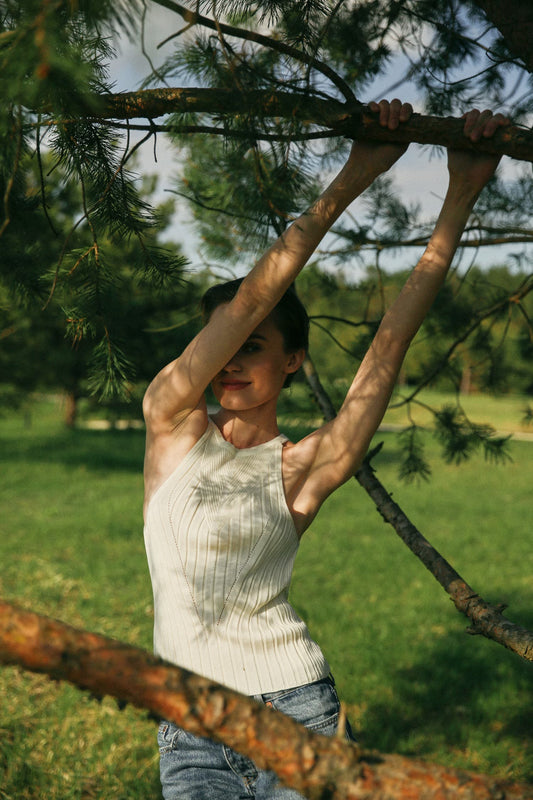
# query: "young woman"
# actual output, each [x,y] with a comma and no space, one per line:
[227,498]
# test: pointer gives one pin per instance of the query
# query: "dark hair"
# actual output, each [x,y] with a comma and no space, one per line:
[289,315]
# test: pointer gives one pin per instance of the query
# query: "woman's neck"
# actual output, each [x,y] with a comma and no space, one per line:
[246,429]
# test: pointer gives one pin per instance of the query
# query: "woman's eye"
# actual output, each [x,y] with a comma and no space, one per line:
[249,347]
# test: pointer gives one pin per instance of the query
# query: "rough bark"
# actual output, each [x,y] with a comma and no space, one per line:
[314,765]
[353,120]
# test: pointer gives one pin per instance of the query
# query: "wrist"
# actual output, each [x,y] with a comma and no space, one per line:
[462,194]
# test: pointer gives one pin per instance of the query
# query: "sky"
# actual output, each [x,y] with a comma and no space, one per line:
[421,174]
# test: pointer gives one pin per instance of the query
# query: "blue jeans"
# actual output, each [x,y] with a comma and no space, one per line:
[193,768]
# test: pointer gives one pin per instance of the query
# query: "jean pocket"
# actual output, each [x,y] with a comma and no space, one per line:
[167,736]
[315,705]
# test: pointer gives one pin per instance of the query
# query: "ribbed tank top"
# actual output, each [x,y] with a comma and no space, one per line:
[221,545]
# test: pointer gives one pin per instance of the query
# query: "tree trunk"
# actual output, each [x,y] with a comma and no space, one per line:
[71,409]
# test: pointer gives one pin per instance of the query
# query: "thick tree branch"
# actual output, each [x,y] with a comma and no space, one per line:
[317,766]
[352,120]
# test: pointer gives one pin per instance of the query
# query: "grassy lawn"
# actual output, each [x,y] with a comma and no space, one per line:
[414,682]
[505,413]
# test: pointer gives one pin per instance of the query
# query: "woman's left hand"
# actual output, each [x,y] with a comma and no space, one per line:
[473,167]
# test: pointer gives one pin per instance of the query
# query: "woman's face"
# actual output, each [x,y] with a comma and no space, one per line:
[256,373]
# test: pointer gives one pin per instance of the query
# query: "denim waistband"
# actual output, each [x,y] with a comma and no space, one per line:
[269,696]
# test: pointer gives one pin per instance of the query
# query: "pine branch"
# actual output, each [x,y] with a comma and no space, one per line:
[253,134]
[317,766]
[352,120]
[194,18]
[486,619]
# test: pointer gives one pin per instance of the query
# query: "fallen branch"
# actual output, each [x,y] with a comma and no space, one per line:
[316,766]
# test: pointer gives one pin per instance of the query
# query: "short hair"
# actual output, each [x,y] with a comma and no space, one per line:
[289,315]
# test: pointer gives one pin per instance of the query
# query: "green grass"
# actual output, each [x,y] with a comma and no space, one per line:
[414,682]
[504,412]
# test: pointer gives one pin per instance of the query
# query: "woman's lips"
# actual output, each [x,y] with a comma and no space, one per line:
[234,386]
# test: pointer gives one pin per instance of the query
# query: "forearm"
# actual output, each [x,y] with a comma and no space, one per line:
[283,261]
[407,313]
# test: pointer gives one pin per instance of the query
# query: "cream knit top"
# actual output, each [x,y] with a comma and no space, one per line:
[221,545]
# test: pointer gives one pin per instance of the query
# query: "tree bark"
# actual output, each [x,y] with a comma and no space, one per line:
[314,765]
[352,120]
[71,408]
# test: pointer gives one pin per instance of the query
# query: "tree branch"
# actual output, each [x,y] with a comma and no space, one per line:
[317,766]
[352,120]
[194,18]
[486,619]
[485,237]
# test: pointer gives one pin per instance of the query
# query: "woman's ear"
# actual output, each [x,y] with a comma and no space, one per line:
[295,361]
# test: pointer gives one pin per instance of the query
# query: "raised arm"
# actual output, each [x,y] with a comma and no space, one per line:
[338,448]
[178,388]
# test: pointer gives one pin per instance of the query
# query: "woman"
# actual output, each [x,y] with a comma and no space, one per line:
[227,498]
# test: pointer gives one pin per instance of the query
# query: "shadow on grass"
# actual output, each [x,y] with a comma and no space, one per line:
[458,693]
[96,450]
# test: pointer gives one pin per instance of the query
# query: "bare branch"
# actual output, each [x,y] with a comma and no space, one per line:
[486,619]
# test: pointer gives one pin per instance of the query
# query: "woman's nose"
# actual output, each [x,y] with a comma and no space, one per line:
[233,365]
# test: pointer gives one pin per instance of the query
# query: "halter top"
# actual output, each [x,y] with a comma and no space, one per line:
[221,545]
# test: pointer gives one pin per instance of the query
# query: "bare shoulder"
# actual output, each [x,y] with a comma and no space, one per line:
[167,446]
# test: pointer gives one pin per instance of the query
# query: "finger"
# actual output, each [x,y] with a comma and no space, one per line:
[394,114]
[384,112]
[380,108]
[470,117]
[406,112]
[495,122]
[477,122]
[391,113]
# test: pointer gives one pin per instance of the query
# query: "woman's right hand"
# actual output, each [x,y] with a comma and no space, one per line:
[380,156]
